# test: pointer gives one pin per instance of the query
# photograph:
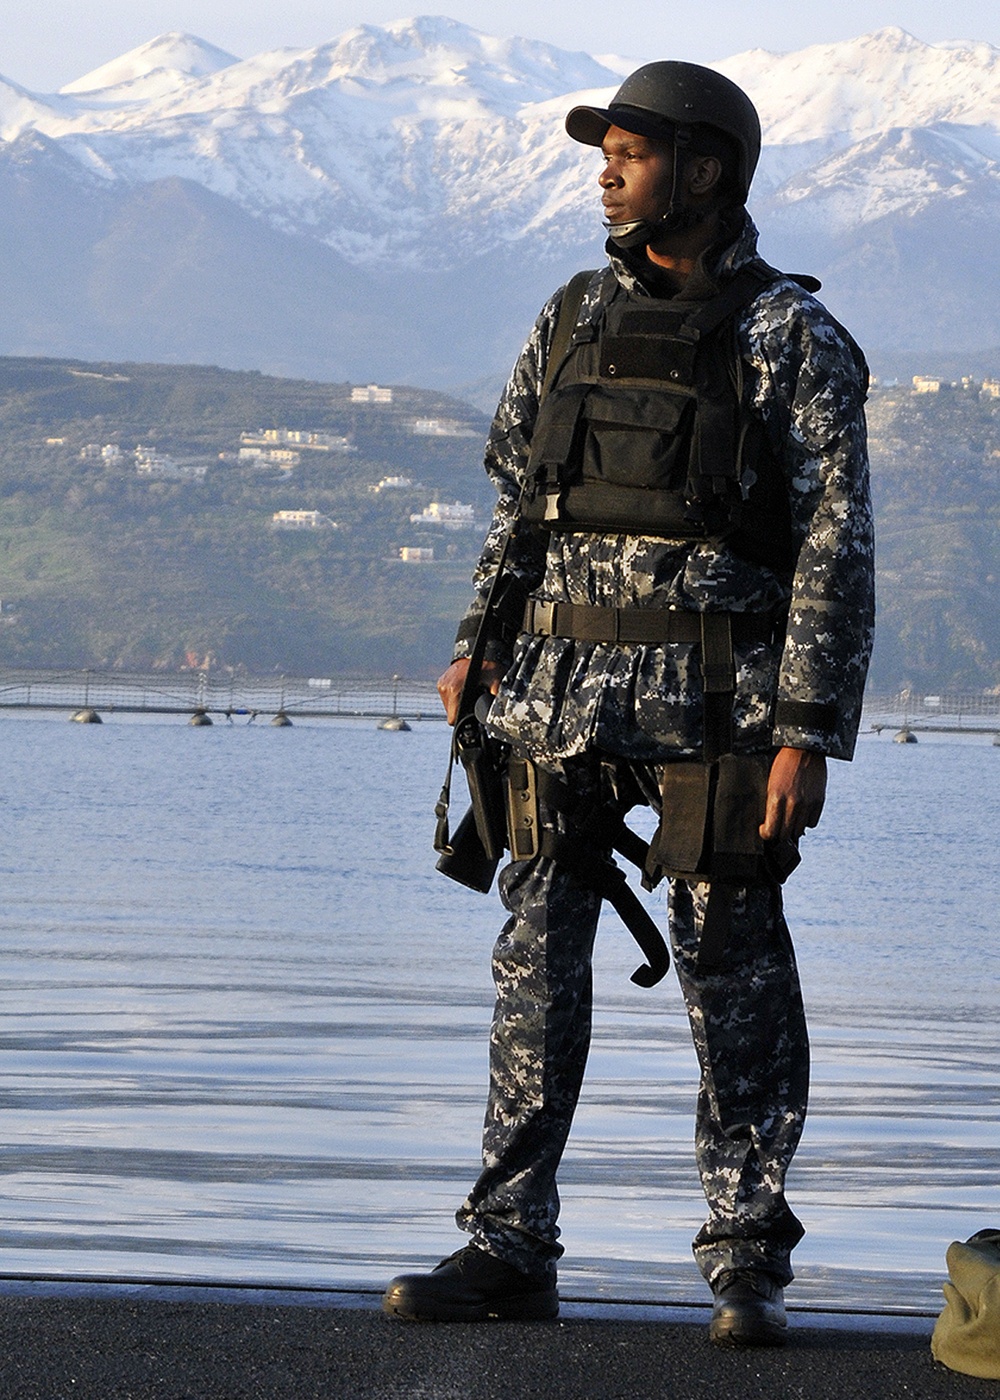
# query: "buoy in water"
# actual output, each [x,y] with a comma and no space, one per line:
[86,716]
[905,736]
[281,721]
[396,723]
[200,719]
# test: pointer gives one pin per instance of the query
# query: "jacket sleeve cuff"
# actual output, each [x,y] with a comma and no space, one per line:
[811,715]
[465,636]
[818,727]
[496,648]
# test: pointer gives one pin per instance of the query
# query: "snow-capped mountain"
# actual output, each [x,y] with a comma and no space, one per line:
[170,60]
[372,143]
[423,166]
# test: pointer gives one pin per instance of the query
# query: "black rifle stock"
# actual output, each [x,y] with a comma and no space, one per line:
[465,860]
[472,854]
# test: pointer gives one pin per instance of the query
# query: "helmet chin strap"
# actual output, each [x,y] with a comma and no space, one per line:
[641,232]
[638,233]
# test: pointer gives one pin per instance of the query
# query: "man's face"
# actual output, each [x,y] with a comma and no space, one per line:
[636,176]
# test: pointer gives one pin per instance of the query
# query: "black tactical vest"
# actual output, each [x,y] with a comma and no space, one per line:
[643,430]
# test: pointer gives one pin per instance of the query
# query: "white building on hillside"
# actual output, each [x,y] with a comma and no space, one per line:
[283,457]
[149,463]
[297,437]
[396,483]
[370,393]
[442,427]
[302,520]
[456,516]
[110,453]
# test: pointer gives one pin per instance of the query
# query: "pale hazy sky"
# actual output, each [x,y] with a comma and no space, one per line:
[46,43]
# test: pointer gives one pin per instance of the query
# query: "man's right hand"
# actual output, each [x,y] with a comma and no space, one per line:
[451,684]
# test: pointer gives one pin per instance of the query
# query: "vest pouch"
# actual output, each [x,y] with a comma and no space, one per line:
[554,459]
[637,437]
[709,819]
[678,844]
[740,799]
[552,442]
[605,457]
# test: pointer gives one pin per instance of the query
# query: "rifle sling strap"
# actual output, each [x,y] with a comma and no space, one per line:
[569,310]
[594,830]
[601,874]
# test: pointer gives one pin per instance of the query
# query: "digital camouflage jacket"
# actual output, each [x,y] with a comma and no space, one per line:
[805,379]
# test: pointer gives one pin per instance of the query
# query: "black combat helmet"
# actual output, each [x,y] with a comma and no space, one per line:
[672,102]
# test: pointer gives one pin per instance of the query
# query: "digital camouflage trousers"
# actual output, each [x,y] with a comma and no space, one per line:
[749,1032]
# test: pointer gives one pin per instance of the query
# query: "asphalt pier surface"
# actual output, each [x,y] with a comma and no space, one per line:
[162,1343]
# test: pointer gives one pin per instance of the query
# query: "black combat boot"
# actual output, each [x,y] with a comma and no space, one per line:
[749,1310]
[472,1286]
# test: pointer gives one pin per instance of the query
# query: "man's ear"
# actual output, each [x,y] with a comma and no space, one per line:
[702,174]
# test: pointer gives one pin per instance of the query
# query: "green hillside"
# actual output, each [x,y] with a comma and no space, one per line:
[935,478]
[101,567]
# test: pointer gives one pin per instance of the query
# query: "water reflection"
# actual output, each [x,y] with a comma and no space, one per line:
[243,1022]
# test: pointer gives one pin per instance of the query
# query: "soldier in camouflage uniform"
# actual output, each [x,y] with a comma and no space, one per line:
[612,719]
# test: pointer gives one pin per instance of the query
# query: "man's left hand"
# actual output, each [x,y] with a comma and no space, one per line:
[796,790]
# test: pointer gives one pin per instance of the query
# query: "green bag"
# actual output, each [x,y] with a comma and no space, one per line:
[967,1334]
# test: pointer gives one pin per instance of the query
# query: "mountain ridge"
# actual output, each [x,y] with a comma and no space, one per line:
[426,159]
[174,54]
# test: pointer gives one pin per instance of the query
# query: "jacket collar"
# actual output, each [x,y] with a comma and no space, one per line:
[735,247]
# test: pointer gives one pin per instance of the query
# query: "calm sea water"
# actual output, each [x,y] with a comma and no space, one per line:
[243,1021]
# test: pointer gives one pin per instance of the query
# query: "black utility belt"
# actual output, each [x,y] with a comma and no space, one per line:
[586,622]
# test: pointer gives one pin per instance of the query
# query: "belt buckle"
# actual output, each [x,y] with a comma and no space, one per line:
[543,619]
